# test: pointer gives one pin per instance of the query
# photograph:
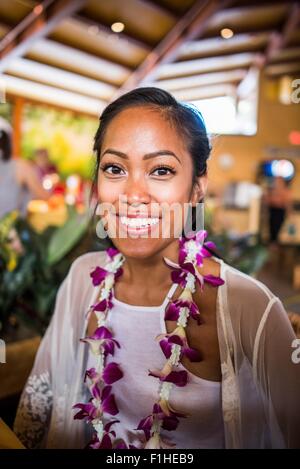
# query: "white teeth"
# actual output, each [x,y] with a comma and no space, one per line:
[139,222]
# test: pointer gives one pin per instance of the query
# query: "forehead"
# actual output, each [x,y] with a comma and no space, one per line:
[143,127]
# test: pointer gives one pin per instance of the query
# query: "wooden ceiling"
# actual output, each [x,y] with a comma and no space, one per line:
[63,52]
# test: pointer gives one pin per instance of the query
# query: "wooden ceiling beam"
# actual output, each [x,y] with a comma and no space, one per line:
[277,40]
[205,79]
[90,23]
[39,23]
[189,27]
[50,95]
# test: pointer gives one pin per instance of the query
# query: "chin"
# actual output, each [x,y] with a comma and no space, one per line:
[140,248]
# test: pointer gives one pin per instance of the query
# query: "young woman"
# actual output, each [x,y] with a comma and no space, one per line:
[179,349]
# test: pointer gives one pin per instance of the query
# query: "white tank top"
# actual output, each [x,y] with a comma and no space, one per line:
[135,328]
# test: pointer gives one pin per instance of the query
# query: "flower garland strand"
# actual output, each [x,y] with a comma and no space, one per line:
[174,345]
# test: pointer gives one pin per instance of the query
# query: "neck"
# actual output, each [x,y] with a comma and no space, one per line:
[136,271]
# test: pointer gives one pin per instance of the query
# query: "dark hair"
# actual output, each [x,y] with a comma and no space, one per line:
[5,145]
[186,118]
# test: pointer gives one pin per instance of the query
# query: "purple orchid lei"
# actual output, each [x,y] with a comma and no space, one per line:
[174,345]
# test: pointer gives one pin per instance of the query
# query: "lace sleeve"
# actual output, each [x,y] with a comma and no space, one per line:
[34,410]
[278,372]
[35,406]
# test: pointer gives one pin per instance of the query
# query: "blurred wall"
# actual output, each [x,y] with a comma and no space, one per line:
[275,122]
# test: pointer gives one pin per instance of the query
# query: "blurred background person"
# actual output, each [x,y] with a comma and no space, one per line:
[19,182]
[43,164]
[278,199]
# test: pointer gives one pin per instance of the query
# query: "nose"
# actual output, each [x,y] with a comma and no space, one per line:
[136,191]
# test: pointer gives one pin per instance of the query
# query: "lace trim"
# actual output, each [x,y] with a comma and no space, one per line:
[34,410]
[229,394]
[54,439]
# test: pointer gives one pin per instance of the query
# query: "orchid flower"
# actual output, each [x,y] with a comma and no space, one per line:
[104,304]
[102,339]
[100,402]
[179,378]
[105,442]
[98,275]
[169,340]
[169,421]
[174,309]
[193,247]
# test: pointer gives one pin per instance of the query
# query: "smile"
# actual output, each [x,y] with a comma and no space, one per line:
[139,222]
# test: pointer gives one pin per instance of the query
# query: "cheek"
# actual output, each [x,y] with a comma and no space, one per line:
[176,190]
[108,191]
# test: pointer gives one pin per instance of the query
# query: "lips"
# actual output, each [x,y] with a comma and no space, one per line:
[138,215]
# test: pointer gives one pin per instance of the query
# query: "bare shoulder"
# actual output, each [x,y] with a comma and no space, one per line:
[210,267]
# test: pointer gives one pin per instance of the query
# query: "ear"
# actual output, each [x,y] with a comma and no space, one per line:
[199,190]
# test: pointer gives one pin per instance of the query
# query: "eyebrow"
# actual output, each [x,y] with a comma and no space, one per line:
[147,156]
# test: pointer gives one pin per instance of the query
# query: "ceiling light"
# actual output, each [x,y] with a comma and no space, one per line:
[226,33]
[117,27]
[38,9]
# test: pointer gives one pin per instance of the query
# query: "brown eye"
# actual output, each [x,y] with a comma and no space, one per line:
[164,170]
[115,170]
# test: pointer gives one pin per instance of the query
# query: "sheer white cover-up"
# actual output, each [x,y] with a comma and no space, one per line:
[260,381]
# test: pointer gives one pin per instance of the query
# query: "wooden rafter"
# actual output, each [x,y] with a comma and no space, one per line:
[190,26]
[40,22]
[277,40]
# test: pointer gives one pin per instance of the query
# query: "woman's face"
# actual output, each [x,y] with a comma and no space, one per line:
[144,169]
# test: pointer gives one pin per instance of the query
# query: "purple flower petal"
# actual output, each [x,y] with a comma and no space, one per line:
[195,313]
[111,252]
[118,273]
[214,281]
[109,346]
[106,442]
[166,347]
[210,245]
[192,354]
[170,423]
[101,306]
[146,425]
[201,235]
[92,375]
[106,391]
[175,339]
[112,373]
[86,411]
[179,378]
[172,312]
[188,267]
[179,277]
[109,424]
[98,275]
[182,255]
[167,344]
[199,259]
[109,405]
[96,391]
[101,333]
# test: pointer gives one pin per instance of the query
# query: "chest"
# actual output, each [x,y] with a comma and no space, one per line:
[203,338]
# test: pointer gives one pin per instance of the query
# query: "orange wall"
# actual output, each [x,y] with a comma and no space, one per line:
[275,121]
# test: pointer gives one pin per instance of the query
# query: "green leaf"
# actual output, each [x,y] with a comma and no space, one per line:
[66,237]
